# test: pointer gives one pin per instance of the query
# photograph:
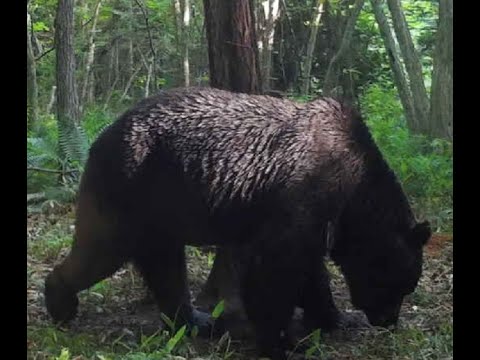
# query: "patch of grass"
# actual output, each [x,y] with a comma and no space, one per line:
[47,246]
[421,297]
[117,332]
[47,342]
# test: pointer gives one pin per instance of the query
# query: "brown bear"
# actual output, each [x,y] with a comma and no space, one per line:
[267,175]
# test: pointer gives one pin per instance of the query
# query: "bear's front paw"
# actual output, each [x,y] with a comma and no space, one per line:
[61,302]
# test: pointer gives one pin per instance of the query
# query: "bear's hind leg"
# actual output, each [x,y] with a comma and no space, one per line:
[164,271]
[82,268]
[97,252]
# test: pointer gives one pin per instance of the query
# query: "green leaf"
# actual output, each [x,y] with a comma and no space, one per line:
[194,332]
[310,351]
[40,26]
[174,340]
[64,355]
[218,309]
[167,321]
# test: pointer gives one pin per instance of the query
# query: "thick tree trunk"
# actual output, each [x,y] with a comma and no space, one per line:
[67,100]
[412,64]
[311,44]
[32,88]
[334,67]
[232,47]
[399,78]
[234,65]
[441,109]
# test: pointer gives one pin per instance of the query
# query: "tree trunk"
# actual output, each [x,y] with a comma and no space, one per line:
[232,47]
[399,78]
[335,65]
[412,64]
[186,39]
[53,94]
[311,44]
[441,109]
[67,100]
[270,10]
[129,83]
[149,76]
[177,12]
[91,55]
[113,77]
[32,88]
[234,65]
[131,65]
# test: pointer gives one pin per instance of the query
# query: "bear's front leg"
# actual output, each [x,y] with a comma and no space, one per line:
[320,311]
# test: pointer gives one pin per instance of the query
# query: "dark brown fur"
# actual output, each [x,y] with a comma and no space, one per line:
[205,166]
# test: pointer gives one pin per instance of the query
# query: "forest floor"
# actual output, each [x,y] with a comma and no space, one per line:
[115,321]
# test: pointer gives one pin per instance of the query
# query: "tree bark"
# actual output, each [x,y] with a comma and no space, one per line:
[90,55]
[232,47]
[32,87]
[186,39]
[269,13]
[311,44]
[52,100]
[149,76]
[412,64]
[336,62]
[234,65]
[399,78]
[67,100]
[441,109]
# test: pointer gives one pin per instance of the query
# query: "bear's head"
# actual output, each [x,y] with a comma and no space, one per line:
[382,271]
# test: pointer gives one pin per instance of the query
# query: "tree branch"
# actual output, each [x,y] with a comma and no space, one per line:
[152,49]
[45,53]
[52,171]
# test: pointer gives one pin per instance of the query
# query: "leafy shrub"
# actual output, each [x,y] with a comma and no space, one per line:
[423,165]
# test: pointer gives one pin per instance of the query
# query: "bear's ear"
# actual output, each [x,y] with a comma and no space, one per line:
[420,233]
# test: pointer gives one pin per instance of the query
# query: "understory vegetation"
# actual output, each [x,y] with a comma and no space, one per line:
[122,51]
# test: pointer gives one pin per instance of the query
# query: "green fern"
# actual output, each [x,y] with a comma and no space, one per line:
[74,145]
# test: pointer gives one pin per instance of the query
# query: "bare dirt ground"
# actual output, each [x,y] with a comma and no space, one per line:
[116,317]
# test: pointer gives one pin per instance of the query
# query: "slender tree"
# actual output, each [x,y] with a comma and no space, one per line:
[67,100]
[412,63]
[334,67]
[441,114]
[32,88]
[186,39]
[90,55]
[315,24]
[399,78]
[268,13]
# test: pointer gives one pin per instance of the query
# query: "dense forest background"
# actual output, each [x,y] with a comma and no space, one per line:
[393,58]
[90,60]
